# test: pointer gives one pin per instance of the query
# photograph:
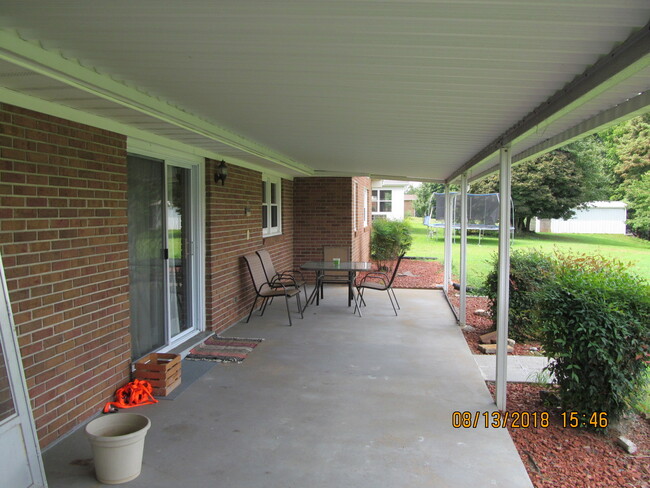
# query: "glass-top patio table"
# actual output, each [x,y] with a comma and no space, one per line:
[322,267]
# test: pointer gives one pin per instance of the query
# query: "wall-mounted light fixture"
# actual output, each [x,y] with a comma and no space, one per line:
[221,174]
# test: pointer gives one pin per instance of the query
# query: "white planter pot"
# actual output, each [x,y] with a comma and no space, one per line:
[118,443]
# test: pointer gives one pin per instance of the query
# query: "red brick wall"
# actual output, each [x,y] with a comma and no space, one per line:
[323,217]
[409,210]
[63,237]
[361,238]
[229,291]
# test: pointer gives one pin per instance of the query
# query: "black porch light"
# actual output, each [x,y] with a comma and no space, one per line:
[221,174]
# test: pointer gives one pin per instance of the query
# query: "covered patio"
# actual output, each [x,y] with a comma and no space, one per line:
[335,400]
[120,236]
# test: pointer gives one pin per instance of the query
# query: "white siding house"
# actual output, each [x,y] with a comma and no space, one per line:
[596,218]
[388,199]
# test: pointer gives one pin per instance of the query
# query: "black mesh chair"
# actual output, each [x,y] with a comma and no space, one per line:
[382,282]
[335,277]
[265,291]
[289,279]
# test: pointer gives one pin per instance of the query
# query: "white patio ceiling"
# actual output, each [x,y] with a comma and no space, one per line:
[399,89]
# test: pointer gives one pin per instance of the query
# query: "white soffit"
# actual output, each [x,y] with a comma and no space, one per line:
[405,89]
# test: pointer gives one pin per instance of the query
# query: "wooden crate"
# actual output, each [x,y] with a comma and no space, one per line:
[163,371]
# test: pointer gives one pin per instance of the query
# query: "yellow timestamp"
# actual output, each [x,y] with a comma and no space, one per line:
[500,420]
[574,420]
[525,420]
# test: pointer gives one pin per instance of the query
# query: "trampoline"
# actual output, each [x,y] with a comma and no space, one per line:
[482,213]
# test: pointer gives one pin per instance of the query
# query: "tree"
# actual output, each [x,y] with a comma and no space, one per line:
[629,146]
[637,195]
[629,143]
[423,193]
[550,186]
[592,154]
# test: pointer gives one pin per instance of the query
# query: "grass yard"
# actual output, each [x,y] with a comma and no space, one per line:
[625,248]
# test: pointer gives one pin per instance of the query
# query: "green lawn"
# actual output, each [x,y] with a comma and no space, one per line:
[625,248]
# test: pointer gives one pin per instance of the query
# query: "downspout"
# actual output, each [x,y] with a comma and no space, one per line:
[504,277]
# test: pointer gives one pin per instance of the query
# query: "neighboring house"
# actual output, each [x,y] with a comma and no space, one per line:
[388,199]
[409,205]
[595,218]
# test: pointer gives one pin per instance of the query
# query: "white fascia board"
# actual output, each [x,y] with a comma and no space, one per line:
[53,65]
[620,64]
[601,121]
[138,140]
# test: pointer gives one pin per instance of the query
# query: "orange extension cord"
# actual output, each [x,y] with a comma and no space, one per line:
[133,394]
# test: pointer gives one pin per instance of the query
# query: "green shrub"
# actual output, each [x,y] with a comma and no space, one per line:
[594,318]
[529,271]
[389,239]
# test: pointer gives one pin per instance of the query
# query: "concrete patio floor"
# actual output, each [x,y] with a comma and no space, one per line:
[334,401]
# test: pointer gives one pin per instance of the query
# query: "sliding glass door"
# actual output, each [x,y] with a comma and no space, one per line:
[179,243]
[162,260]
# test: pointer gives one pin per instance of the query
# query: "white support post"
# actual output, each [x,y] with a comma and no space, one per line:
[503,295]
[449,229]
[462,315]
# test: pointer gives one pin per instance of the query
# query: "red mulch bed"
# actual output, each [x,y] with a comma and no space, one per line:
[556,456]
[562,457]
[415,273]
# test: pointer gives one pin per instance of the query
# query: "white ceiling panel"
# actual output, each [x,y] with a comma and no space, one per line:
[411,89]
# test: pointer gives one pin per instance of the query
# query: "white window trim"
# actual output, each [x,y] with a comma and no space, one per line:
[365,207]
[355,203]
[379,201]
[267,180]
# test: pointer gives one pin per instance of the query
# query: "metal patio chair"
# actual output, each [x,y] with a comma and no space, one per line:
[277,279]
[384,284]
[265,291]
[334,277]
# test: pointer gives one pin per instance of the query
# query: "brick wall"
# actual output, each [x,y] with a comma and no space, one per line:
[63,237]
[361,238]
[323,216]
[229,291]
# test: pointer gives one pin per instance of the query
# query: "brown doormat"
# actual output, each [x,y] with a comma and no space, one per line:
[223,349]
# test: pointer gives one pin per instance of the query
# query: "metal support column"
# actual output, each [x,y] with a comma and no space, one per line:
[503,295]
[449,229]
[462,315]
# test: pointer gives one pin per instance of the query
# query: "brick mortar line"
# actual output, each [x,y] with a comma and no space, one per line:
[113,319]
[62,395]
[84,336]
[61,187]
[89,131]
[71,288]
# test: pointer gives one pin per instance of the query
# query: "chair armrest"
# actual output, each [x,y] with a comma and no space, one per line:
[281,279]
[375,275]
[291,274]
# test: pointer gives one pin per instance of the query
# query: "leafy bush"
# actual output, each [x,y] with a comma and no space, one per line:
[595,324]
[389,239]
[530,270]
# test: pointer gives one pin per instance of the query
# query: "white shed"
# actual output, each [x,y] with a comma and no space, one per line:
[595,218]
